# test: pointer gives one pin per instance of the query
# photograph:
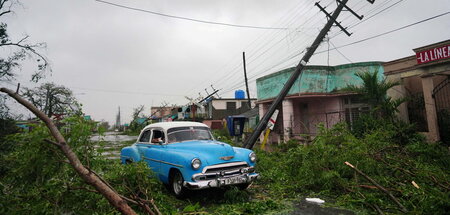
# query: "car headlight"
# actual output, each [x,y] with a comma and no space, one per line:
[196,163]
[252,157]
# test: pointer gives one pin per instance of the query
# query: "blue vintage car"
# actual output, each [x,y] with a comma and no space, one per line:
[185,156]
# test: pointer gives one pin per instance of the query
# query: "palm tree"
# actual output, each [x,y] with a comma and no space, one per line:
[374,92]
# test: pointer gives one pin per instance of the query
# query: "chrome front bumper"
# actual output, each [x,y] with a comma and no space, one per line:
[222,181]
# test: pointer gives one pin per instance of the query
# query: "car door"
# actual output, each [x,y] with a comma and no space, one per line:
[147,151]
[151,151]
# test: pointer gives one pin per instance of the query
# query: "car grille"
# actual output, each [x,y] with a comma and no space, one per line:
[226,169]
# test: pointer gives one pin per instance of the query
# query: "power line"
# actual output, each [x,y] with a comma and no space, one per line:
[388,32]
[279,42]
[371,16]
[273,43]
[339,53]
[374,12]
[266,39]
[336,48]
[100,90]
[234,65]
[259,48]
[122,92]
[382,34]
[190,19]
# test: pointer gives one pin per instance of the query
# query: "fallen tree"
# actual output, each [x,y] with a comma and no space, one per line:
[88,175]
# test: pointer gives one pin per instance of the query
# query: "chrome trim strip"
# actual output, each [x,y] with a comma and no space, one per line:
[219,182]
[226,158]
[247,170]
[146,158]
[224,165]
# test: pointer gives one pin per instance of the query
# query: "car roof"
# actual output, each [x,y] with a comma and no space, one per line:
[167,125]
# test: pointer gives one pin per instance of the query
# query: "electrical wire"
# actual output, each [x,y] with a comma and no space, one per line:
[352,25]
[339,52]
[190,19]
[363,40]
[285,20]
[124,92]
[389,32]
[234,74]
[281,62]
[375,36]
[372,13]
[277,42]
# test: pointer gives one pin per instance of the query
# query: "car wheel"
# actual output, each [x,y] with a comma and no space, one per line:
[176,184]
[128,161]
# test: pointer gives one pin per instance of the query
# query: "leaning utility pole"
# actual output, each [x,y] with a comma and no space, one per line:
[287,86]
[246,81]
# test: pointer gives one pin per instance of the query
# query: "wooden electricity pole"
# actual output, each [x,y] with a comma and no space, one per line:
[246,81]
[298,70]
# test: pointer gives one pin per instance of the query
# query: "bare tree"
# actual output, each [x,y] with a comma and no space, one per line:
[21,49]
[89,176]
[52,99]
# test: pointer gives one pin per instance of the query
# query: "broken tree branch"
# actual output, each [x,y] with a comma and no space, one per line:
[92,179]
[439,184]
[402,208]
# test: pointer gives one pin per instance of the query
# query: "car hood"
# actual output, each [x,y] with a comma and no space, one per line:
[211,152]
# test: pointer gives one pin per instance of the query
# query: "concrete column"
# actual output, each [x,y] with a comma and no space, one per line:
[430,107]
[398,92]
[288,117]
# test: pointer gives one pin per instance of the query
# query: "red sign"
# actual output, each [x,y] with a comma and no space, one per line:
[435,54]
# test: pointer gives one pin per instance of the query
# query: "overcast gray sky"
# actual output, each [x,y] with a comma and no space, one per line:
[112,56]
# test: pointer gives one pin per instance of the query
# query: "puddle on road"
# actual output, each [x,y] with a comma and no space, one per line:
[113,155]
[113,137]
[113,140]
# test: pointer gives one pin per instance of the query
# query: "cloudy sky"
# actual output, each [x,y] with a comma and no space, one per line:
[113,56]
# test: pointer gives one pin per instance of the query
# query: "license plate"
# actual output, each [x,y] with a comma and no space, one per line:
[232,180]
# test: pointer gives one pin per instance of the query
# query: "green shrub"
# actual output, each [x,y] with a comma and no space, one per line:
[39,181]
[392,157]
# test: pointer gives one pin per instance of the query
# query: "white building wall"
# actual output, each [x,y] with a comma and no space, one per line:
[222,104]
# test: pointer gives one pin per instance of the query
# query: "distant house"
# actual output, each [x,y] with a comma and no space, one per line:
[315,98]
[218,109]
[424,79]
[161,113]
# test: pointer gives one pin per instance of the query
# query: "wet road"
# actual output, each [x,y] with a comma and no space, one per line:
[113,143]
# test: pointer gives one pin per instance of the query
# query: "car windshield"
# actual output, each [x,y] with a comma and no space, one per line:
[181,134]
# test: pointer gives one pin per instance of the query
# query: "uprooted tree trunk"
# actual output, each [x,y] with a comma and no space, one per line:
[88,176]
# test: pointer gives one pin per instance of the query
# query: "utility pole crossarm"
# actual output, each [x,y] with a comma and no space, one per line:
[351,11]
[310,51]
[334,19]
